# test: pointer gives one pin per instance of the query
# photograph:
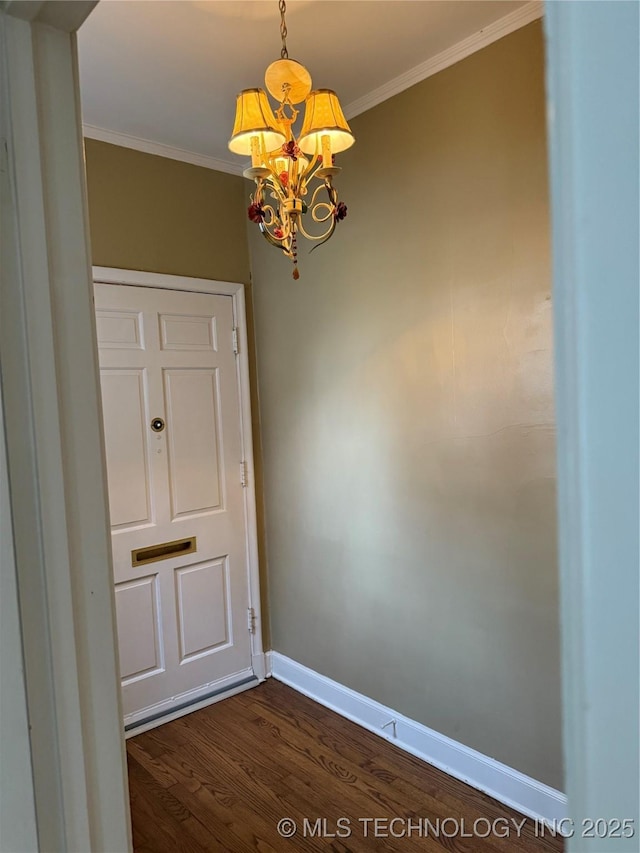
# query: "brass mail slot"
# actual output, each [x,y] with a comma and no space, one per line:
[164,551]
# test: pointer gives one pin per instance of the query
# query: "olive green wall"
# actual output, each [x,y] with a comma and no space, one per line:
[159,215]
[408,428]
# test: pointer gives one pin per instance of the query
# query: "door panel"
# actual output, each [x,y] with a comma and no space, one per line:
[187,333]
[138,628]
[125,435]
[194,442]
[119,329]
[203,589]
[182,620]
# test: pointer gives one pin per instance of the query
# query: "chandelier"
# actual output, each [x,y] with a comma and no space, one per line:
[285,201]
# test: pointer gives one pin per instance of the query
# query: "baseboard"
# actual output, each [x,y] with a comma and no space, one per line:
[259,666]
[268,664]
[503,783]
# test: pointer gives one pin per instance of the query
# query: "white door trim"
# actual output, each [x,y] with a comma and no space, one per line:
[57,484]
[592,103]
[236,290]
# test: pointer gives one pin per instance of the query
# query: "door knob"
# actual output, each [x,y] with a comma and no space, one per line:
[157,424]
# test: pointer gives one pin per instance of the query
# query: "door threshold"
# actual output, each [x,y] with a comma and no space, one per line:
[161,718]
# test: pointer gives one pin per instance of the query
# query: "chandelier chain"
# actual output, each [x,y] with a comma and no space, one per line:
[284,53]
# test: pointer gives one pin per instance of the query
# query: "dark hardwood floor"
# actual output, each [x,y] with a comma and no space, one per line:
[222,779]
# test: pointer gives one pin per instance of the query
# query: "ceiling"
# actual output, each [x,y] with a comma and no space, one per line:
[166,72]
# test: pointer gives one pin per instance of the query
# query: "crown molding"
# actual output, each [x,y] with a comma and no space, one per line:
[67,17]
[124,140]
[503,26]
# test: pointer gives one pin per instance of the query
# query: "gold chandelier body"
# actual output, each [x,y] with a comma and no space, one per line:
[283,165]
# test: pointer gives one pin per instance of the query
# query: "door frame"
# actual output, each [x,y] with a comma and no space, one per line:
[57,507]
[236,290]
[592,61]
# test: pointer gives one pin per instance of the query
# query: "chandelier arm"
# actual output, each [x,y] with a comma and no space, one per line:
[331,204]
[273,241]
[316,207]
[272,220]
[331,190]
[271,180]
[306,174]
[268,209]
[322,237]
[329,233]
[276,190]
[267,235]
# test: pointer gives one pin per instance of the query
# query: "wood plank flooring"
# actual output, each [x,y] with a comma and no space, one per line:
[222,779]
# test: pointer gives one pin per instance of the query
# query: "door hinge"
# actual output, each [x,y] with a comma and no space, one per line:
[251,621]
[244,475]
[236,344]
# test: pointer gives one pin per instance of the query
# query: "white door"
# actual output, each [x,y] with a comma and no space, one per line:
[174,450]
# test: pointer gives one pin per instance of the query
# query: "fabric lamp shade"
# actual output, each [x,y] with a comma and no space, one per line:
[324,117]
[254,117]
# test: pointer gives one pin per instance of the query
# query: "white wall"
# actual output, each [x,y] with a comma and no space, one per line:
[593,71]
[17,809]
